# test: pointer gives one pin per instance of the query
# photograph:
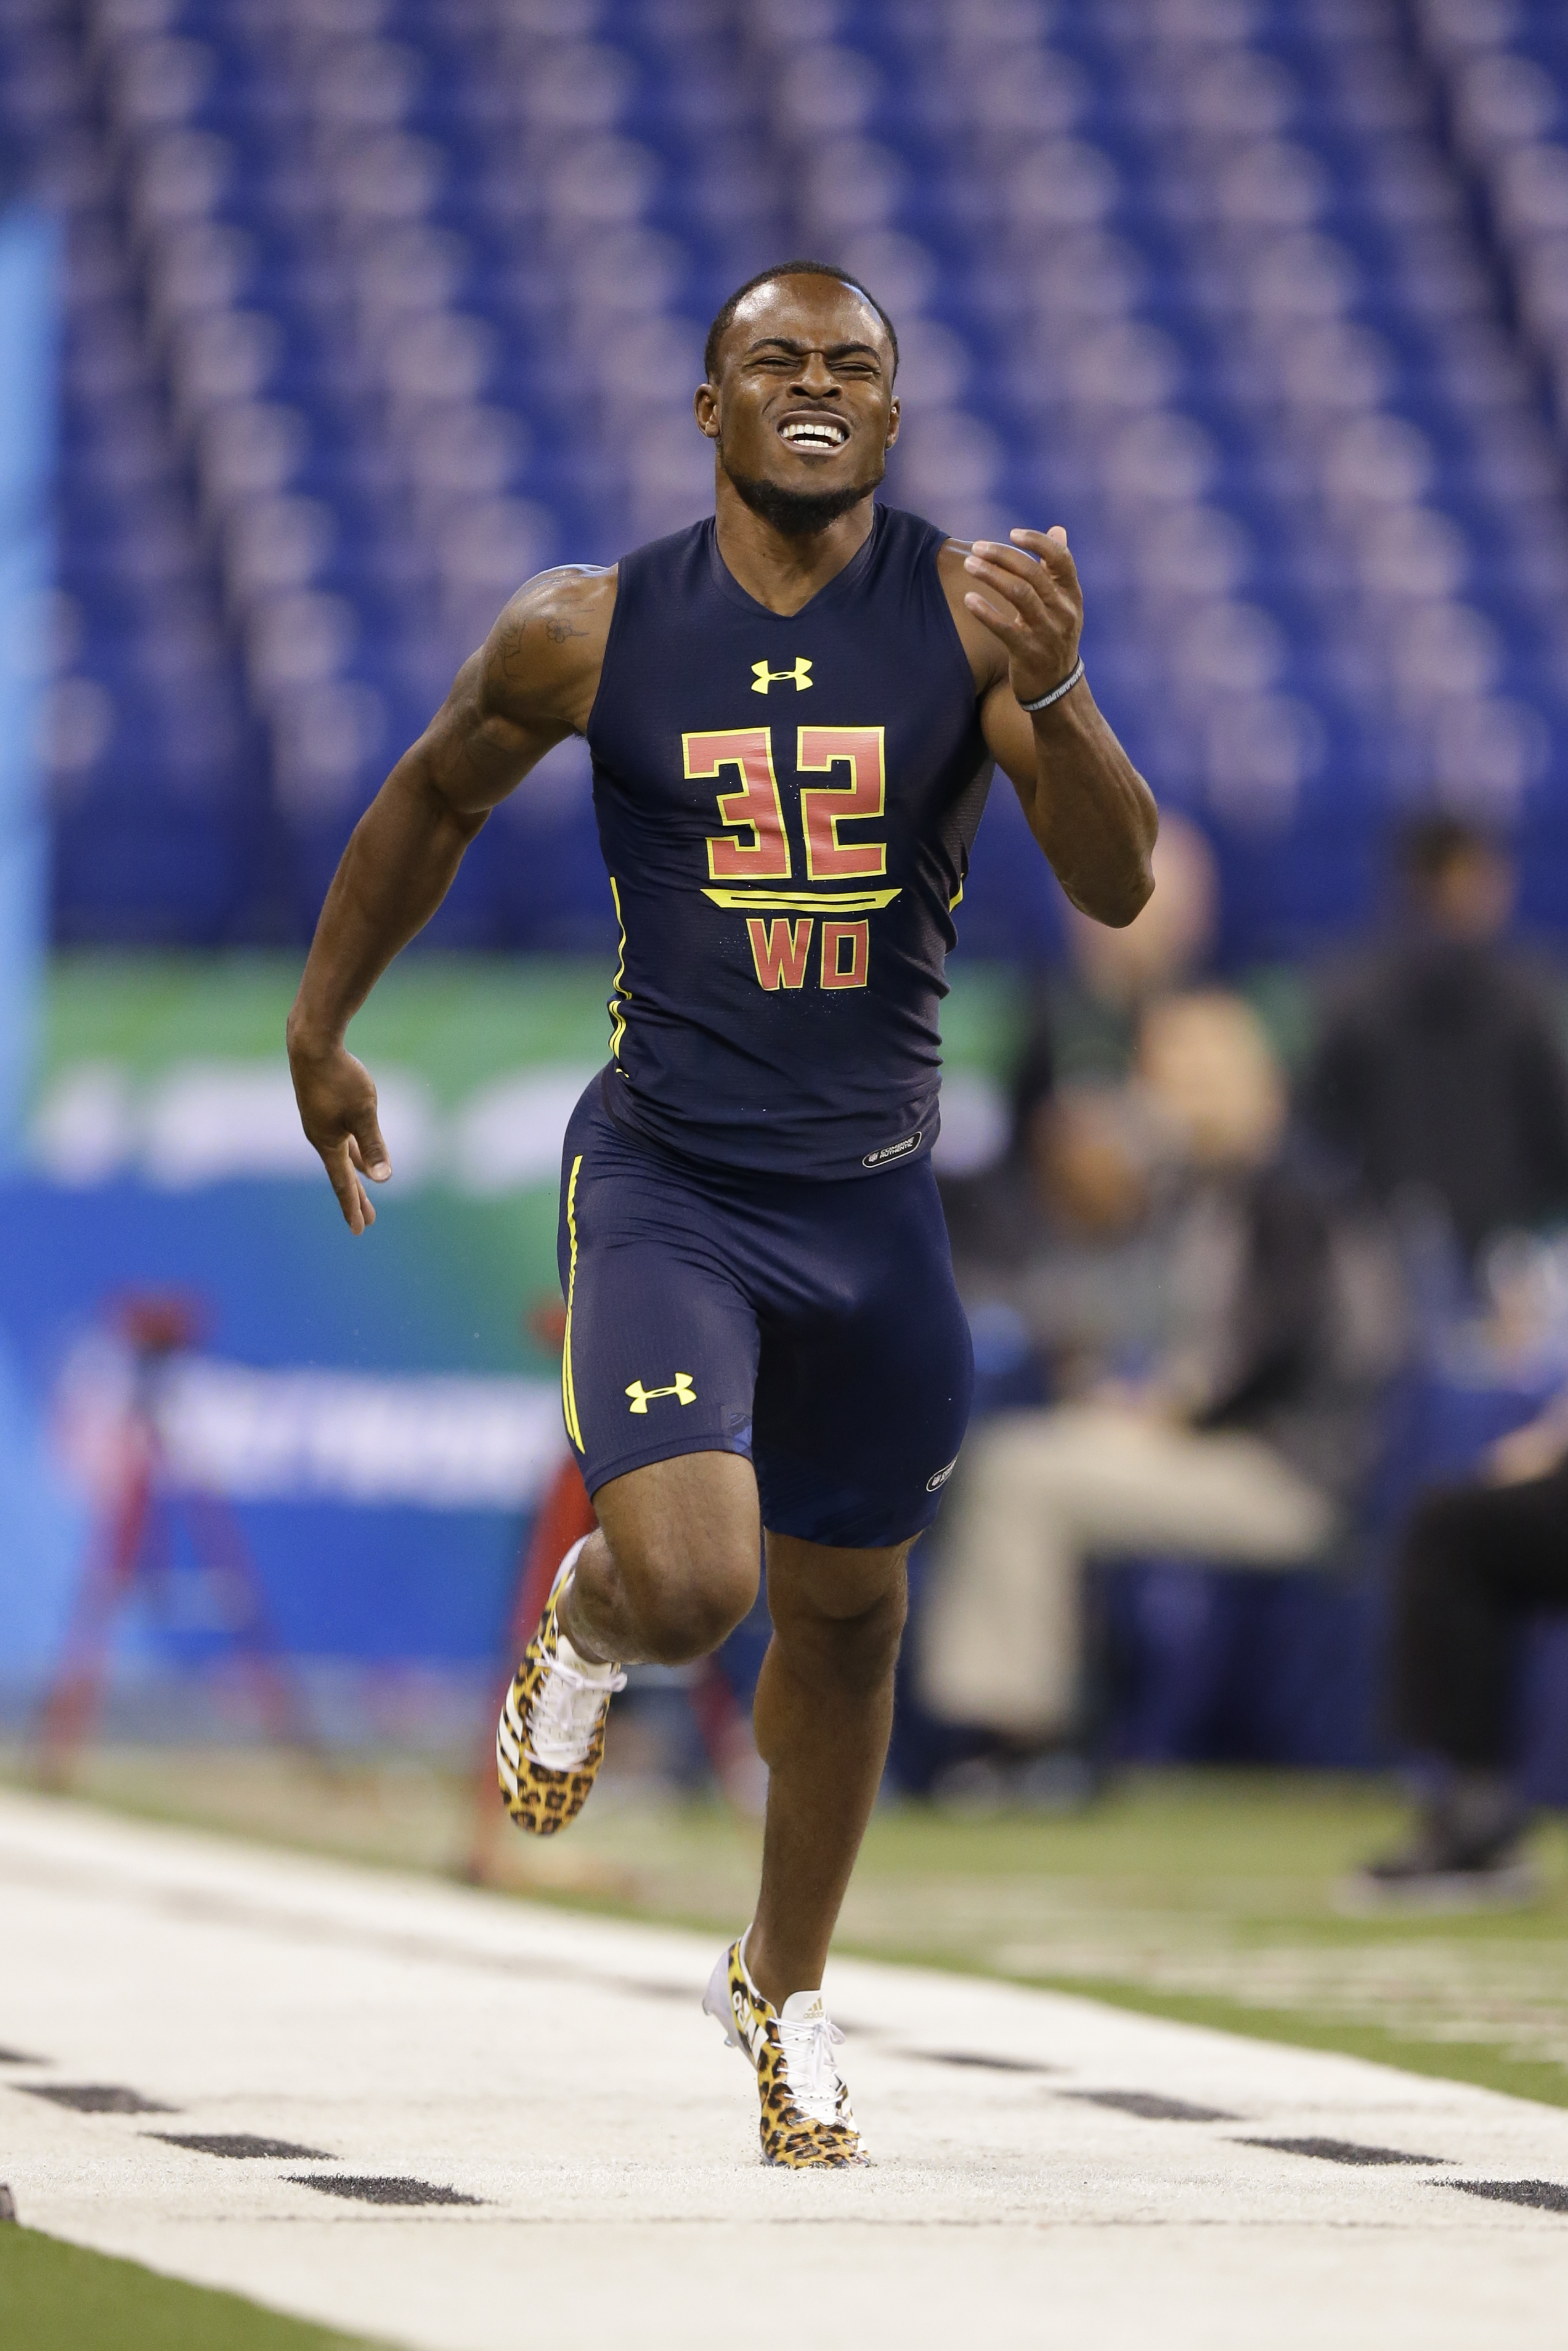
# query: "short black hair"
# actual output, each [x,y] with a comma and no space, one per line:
[725,319]
[1431,846]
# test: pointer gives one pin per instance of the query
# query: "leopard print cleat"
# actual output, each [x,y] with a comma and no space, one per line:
[807,2125]
[549,1741]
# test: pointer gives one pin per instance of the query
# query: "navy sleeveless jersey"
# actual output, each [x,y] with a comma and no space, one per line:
[786,808]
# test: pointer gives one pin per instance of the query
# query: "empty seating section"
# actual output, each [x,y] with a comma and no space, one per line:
[376,306]
[1501,69]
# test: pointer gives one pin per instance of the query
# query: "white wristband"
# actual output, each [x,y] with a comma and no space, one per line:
[1068,683]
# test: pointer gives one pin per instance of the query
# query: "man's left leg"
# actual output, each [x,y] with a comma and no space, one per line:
[824,1716]
[859,1421]
[862,1391]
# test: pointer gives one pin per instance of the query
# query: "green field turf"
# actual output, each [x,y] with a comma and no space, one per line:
[1205,1895]
[56,2297]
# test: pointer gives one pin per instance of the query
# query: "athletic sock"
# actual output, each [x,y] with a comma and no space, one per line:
[588,1667]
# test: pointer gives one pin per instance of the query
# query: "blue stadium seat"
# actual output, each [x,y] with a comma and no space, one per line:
[371,315]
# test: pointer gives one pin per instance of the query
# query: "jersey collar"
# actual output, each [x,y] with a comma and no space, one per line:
[840,583]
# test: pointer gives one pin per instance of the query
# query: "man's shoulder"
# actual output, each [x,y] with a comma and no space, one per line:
[1534,982]
[1383,989]
[571,589]
[541,661]
[569,601]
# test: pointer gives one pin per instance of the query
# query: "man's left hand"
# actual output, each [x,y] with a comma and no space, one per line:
[1039,613]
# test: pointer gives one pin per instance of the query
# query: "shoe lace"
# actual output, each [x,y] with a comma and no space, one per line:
[566,1711]
[810,2065]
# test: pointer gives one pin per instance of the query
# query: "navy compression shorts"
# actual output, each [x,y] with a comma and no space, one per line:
[814,1327]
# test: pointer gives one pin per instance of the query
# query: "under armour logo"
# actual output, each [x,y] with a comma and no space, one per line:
[681,1387]
[762,678]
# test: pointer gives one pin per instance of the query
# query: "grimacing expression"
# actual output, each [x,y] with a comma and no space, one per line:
[803,413]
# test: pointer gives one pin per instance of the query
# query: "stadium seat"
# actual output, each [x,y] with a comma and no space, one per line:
[373,309]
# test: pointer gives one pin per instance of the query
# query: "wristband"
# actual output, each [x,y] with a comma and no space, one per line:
[1068,683]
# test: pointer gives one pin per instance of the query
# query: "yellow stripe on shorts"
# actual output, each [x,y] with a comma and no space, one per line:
[567,1390]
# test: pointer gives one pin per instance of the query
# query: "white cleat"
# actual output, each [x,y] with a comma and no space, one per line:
[806,2121]
[549,1741]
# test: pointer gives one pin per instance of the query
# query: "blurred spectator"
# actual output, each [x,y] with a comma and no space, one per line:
[1084,1035]
[1093,1012]
[1173,937]
[1439,1076]
[1476,1559]
[1214,1331]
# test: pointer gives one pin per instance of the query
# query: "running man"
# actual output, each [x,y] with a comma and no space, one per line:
[793,709]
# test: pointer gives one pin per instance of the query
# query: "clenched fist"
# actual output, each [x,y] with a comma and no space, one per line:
[1043,616]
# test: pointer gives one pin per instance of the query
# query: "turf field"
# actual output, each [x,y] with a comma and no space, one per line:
[58,2297]
[401,2109]
[1203,1895]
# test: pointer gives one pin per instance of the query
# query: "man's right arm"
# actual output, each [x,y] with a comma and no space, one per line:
[531,683]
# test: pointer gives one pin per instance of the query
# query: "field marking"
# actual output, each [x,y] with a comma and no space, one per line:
[1042,2164]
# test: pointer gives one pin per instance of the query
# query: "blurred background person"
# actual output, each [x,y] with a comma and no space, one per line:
[1085,1016]
[1078,1149]
[1476,1560]
[1214,1329]
[1440,1072]
[1110,976]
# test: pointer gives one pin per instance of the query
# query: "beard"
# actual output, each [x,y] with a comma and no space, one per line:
[800,514]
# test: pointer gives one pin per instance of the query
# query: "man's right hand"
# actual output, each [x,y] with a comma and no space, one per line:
[337,1110]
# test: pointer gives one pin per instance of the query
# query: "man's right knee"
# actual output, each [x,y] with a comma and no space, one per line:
[685,1546]
[686,1601]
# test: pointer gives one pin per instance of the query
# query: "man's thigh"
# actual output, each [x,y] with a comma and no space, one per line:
[661,1350]
[863,1401]
[688,1524]
[1116,1482]
[829,1581]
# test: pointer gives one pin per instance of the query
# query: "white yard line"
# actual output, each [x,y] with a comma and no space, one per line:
[557,2069]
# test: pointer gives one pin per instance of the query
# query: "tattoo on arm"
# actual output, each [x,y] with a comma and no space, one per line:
[534,677]
[512,653]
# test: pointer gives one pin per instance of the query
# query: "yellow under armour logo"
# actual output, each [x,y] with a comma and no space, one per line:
[681,1387]
[762,678]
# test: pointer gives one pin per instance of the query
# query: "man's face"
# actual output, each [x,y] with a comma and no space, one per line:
[803,412]
[1471,899]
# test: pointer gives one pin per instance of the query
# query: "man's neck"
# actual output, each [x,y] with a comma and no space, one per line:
[781,571]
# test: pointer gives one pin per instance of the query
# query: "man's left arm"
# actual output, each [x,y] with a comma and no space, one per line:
[1087,805]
